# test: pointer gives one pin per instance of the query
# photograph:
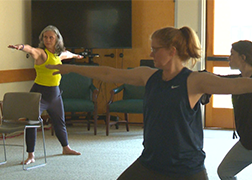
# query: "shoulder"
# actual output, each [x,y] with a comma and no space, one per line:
[39,50]
[201,76]
[145,69]
[141,70]
[139,75]
[196,79]
[41,56]
[146,72]
[37,53]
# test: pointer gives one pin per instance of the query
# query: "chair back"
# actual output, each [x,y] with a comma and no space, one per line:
[21,105]
[133,92]
[76,86]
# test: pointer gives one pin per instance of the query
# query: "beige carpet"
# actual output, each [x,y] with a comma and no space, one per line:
[103,158]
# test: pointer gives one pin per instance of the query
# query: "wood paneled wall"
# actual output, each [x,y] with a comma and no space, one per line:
[147,16]
[17,75]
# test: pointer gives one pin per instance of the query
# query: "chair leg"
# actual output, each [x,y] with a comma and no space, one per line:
[88,118]
[43,134]
[52,130]
[126,115]
[5,157]
[95,122]
[88,125]
[107,122]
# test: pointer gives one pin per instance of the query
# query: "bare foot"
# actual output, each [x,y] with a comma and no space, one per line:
[30,159]
[68,151]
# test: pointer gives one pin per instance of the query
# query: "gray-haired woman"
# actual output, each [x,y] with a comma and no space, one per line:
[51,50]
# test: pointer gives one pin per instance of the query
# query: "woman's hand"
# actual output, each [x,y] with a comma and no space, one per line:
[69,55]
[17,47]
[62,69]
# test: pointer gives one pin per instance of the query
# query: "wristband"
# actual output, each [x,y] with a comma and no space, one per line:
[22,47]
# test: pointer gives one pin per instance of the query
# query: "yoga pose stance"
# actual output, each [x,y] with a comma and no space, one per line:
[173,133]
[240,155]
[51,50]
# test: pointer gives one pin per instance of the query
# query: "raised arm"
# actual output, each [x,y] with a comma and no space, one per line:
[200,83]
[213,84]
[68,55]
[36,53]
[136,76]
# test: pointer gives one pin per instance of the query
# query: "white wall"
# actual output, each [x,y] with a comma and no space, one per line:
[15,29]
[192,13]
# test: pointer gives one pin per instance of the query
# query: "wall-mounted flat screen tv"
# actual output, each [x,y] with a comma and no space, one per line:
[92,24]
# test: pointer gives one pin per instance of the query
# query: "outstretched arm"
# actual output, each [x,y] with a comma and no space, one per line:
[213,84]
[36,53]
[68,55]
[136,76]
[199,83]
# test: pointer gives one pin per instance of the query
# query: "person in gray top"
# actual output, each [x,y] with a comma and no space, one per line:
[240,155]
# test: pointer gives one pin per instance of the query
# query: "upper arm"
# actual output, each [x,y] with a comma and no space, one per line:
[203,83]
[136,76]
[37,54]
[211,84]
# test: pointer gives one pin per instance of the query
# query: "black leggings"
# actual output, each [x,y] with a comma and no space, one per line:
[52,102]
[137,171]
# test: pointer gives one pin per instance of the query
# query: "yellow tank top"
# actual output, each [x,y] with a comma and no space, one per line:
[45,76]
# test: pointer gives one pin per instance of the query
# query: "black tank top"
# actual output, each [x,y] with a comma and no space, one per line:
[173,133]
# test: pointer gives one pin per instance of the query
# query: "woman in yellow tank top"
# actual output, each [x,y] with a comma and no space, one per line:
[51,50]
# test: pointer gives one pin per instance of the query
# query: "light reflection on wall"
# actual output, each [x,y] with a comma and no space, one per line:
[231,24]
[220,100]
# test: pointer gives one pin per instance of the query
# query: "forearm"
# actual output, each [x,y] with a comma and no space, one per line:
[22,47]
[136,76]
[103,73]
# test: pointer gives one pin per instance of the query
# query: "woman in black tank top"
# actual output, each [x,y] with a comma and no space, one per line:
[173,133]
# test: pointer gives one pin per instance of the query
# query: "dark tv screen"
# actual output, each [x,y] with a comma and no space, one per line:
[90,24]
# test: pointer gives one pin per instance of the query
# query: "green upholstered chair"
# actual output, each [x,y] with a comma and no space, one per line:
[80,99]
[132,102]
